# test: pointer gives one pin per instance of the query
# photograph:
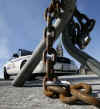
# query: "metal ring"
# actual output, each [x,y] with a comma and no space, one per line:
[67,99]
[91,24]
[87,88]
[49,69]
[74,88]
[45,14]
[51,51]
[49,29]
[85,98]
[46,91]
[49,37]
[59,87]
[44,55]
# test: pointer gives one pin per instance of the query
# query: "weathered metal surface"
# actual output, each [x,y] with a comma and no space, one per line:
[30,96]
[59,25]
[79,55]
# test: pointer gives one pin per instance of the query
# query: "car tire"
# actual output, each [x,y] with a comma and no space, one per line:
[6,76]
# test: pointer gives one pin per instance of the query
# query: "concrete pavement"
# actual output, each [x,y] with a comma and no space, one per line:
[31,95]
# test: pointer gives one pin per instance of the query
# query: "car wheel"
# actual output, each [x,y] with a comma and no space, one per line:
[6,76]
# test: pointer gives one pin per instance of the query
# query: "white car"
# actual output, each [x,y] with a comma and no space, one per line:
[14,65]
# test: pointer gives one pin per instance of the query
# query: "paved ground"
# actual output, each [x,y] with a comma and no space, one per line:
[31,96]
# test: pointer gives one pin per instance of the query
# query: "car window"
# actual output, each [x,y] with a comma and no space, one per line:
[23,52]
[63,60]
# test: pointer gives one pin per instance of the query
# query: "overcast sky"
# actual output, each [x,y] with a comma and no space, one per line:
[22,24]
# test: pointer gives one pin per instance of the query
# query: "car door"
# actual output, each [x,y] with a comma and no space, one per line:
[10,67]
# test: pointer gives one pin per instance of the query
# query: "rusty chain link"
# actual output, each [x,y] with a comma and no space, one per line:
[66,92]
[49,55]
[53,11]
[84,27]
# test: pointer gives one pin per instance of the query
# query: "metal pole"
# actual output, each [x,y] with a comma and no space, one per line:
[79,55]
[26,71]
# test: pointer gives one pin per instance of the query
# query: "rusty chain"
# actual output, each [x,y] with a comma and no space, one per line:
[84,26]
[49,55]
[53,87]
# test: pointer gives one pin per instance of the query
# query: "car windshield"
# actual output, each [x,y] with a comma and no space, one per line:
[22,52]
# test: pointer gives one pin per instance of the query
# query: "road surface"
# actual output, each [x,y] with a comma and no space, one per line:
[31,95]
